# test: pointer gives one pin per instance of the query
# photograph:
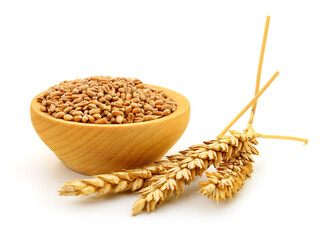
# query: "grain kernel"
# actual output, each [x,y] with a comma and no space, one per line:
[60,115]
[136,110]
[135,100]
[95,111]
[166,112]
[167,106]
[68,109]
[148,107]
[52,108]
[108,97]
[147,118]
[140,115]
[91,106]
[84,119]
[91,94]
[77,113]
[119,119]
[117,113]
[77,118]
[68,117]
[97,116]
[131,117]
[159,102]
[137,119]
[91,119]
[101,121]
[127,110]
[157,113]
[159,107]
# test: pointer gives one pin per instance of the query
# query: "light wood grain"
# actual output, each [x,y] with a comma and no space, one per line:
[102,148]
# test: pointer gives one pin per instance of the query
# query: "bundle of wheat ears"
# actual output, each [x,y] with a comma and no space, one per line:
[231,155]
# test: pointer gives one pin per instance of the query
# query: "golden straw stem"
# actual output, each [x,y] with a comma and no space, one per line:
[249,104]
[281,137]
[259,69]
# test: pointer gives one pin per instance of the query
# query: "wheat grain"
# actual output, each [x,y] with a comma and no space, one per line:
[106,100]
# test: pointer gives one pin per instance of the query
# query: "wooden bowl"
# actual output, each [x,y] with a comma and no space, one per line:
[102,148]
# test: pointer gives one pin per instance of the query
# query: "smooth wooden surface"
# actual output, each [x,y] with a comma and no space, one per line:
[101,148]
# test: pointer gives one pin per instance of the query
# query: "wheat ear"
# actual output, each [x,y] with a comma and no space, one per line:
[133,179]
[231,173]
[189,164]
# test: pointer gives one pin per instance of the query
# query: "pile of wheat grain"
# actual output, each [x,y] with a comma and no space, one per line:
[105,100]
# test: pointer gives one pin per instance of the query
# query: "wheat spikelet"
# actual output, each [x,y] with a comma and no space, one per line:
[228,179]
[115,182]
[184,167]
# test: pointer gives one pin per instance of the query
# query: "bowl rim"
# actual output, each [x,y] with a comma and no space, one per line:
[183,106]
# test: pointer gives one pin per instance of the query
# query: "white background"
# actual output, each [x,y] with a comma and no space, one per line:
[206,50]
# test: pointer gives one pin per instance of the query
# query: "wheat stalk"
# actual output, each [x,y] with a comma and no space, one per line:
[259,68]
[231,175]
